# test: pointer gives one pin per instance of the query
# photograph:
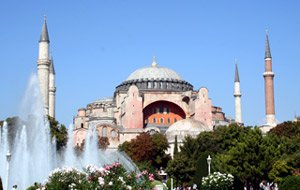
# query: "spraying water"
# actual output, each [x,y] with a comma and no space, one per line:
[29,144]
[34,153]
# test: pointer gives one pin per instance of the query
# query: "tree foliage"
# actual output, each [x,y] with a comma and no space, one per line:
[181,168]
[103,142]
[290,183]
[245,152]
[175,146]
[287,129]
[280,169]
[147,150]
[59,132]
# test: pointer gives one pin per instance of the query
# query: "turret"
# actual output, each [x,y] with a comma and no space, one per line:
[237,97]
[43,63]
[52,89]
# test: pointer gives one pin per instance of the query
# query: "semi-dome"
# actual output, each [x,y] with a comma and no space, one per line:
[154,72]
[155,78]
[185,127]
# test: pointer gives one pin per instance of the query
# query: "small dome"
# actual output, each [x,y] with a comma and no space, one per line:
[184,128]
[154,72]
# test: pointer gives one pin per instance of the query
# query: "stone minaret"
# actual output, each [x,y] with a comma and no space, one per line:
[52,89]
[237,97]
[269,87]
[43,63]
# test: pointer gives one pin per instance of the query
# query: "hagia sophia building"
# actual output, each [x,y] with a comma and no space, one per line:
[152,99]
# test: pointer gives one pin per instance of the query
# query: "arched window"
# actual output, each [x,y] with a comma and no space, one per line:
[81,125]
[104,132]
[154,120]
[161,109]
[169,121]
[114,134]
[157,110]
[161,120]
[175,120]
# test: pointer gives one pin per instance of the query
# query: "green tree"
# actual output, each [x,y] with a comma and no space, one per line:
[175,146]
[250,159]
[290,183]
[59,131]
[160,146]
[279,170]
[181,168]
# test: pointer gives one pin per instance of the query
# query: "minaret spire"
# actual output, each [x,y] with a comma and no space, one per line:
[269,89]
[237,96]
[44,35]
[268,50]
[51,69]
[236,76]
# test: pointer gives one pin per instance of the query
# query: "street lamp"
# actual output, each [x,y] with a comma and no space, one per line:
[8,158]
[208,163]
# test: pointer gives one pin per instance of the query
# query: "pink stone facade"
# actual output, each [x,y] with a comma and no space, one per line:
[136,103]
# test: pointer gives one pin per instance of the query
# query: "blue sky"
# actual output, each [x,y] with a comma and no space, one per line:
[97,44]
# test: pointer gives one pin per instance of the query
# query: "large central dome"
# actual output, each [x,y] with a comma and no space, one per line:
[154,72]
[155,78]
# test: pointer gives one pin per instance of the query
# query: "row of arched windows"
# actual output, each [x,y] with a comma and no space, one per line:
[161,109]
[161,120]
[113,133]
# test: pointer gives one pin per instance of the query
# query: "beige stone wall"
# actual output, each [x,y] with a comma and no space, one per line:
[79,135]
[78,121]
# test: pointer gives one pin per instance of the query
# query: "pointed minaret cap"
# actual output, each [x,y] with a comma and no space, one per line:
[52,70]
[268,51]
[236,77]
[154,63]
[44,35]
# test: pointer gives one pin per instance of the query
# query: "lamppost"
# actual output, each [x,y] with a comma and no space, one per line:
[208,163]
[8,158]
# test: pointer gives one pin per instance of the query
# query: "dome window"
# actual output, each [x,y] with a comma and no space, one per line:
[161,120]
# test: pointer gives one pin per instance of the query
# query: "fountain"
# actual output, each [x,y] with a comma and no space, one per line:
[33,152]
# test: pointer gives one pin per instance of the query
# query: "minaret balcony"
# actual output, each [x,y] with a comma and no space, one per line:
[268,73]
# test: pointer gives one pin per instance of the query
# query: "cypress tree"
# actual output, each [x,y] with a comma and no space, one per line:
[175,146]
[1,187]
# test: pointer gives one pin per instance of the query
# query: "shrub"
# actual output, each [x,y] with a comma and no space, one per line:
[110,177]
[217,181]
[290,183]
[66,178]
